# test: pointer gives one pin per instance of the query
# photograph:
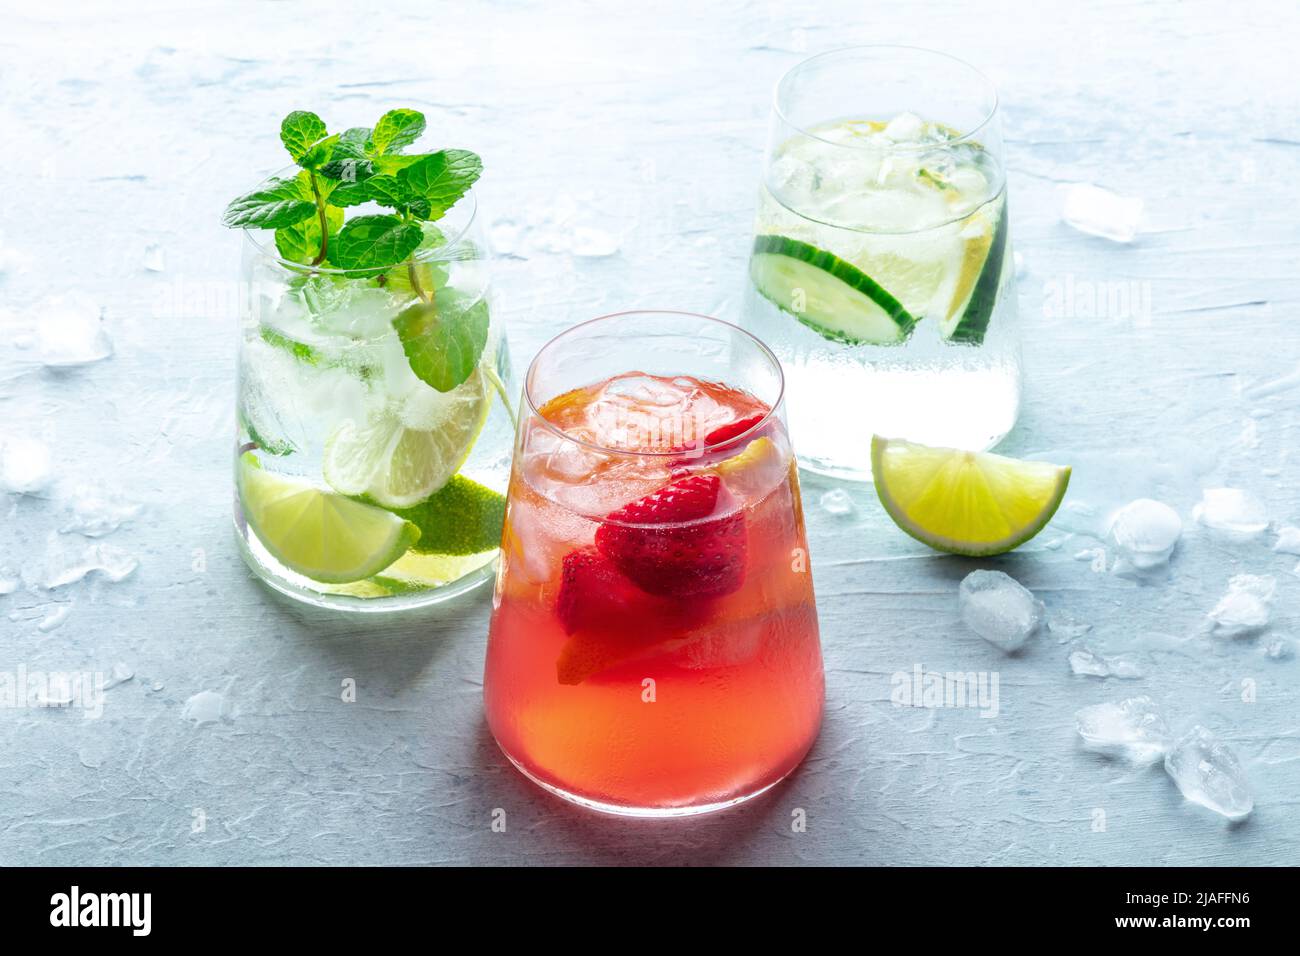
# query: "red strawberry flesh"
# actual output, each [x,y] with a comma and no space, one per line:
[677,553]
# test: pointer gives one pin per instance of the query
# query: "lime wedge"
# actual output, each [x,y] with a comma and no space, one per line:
[462,517]
[965,502]
[321,535]
[406,452]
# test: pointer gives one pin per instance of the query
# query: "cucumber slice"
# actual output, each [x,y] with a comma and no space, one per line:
[967,325]
[834,298]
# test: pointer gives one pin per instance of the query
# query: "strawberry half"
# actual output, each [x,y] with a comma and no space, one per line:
[693,559]
[594,594]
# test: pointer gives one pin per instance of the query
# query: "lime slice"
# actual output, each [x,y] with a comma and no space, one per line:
[408,450]
[829,295]
[462,517]
[321,535]
[976,292]
[965,502]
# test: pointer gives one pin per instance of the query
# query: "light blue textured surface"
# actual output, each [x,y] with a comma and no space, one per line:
[642,130]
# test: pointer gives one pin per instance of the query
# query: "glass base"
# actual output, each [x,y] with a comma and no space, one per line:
[269,576]
[644,813]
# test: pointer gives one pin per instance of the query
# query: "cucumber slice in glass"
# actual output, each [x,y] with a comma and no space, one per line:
[829,295]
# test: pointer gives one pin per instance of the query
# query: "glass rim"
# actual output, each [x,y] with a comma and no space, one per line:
[964,136]
[697,449]
[268,251]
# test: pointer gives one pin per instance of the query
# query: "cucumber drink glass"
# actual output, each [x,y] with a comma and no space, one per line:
[881,272]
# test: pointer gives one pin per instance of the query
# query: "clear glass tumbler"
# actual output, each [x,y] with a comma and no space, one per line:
[881,272]
[654,646]
[360,485]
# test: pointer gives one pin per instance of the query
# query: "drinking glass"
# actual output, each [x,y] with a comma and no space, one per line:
[881,271]
[654,647]
[359,485]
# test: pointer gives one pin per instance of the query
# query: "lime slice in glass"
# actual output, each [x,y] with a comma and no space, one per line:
[319,534]
[406,452]
[965,502]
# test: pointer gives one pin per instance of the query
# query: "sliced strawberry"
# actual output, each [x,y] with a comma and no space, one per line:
[609,619]
[731,430]
[691,557]
[719,436]
[595,594]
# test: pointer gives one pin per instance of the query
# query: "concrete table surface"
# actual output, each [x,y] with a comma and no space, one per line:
[622,150]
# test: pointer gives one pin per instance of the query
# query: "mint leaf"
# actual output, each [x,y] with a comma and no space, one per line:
[393,163]
[442,178]
[396,130]
[444,339]
[301,242]
[349,162]
[273,205]
[374,242]
[319,154]
[300,131]
[386,191]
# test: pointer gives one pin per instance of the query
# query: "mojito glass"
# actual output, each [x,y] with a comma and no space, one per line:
[359,485]
[654,646]
[881,271]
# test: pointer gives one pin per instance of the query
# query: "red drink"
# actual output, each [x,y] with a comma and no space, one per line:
[654,645]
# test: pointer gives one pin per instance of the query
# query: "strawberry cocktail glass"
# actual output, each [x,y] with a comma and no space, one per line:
[654,647]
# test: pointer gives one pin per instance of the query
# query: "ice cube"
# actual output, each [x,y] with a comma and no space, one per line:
[1245,607]
[1145,533]
[54,618]
[1088,663]
[1100,212]
[120,674]
[155,259]
[70,331]
[1207,772]
[96,512]
[1288,540]
[1132,730]
[837,502]
[8,584]
[904,128]
[1279,649]
[64,567]
[24,465]
[1231,510]
[205,707]
[1000,609]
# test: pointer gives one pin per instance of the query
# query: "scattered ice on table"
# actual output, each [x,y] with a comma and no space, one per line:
[1100,212]
[1207,772]
[1088,663]
[1245,607]
[1145,532]
[837,502]
[65,566]
[1279,649]
[1067,628]
[155,260]
[1018,261]
[70,331]
[94,512]
[593,243]
[57,692]
[56,616]
[25,467]
[1288,540]
[1000,609]
[1132,730]
[8,583]
[120,674]
[1096,557]
[205,707]
[1231,510]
